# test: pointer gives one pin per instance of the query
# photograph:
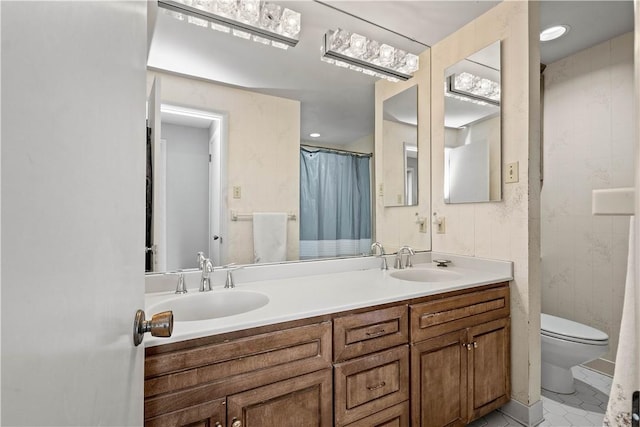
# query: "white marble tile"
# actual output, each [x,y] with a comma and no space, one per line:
[584,408]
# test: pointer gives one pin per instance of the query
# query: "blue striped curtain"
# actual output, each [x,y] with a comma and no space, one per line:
[335,204]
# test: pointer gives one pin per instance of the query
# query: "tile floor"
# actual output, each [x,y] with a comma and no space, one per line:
[584,408]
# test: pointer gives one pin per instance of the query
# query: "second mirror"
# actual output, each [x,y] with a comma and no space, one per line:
[400,148]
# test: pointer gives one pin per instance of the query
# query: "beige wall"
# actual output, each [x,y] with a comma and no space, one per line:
[588,144]
[508,229]
[397,226]
[263,155]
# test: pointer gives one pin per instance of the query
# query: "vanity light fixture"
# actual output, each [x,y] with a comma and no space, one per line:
[553,32]
[469,87]
[358,53]
[260,21]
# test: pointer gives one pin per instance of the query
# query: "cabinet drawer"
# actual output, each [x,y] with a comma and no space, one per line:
[370,384]
[396,416]
[364,333]
[438,317]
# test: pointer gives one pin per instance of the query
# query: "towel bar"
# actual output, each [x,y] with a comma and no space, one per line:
[237,216]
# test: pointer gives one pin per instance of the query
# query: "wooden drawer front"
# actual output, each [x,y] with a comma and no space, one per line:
[396,416]
[442,316]
[369,384]
[370,332]
[210,414]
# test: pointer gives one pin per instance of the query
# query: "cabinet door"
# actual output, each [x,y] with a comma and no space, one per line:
[439,381]
[301,401]
[489,367]
[209,414]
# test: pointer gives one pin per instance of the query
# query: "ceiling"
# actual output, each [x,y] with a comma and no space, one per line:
[338,103]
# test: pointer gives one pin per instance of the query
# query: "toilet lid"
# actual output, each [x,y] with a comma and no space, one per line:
[571,331]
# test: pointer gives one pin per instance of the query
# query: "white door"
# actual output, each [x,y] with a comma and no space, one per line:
[72,211]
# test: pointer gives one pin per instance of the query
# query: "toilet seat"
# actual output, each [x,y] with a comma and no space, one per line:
[564,329]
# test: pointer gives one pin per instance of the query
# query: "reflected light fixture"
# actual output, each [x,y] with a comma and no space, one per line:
[257,20]
[314,135]
[468,87]
[553,32]
[187,112]
[358,53]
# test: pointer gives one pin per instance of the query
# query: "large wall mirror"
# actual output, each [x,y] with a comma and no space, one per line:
[473,129]
[400,148]
[270,102]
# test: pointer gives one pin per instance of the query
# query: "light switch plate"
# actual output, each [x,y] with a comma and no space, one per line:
[237,192]
[512,173]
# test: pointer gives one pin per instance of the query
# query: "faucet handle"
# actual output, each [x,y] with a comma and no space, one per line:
[229,282]
[200,259]
[181,288]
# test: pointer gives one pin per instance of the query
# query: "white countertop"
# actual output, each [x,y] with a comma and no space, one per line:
[293,298]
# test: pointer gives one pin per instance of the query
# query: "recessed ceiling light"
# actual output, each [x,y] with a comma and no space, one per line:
[314,135]
[553,33]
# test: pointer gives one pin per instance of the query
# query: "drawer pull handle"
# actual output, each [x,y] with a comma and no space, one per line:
[377,386]
[378,332]
[236,423]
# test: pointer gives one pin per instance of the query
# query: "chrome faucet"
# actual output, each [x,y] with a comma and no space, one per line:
[400,263]
[378,245]
[181,288]
[205,280]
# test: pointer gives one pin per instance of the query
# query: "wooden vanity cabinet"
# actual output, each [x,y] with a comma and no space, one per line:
[440,360]
[460,357]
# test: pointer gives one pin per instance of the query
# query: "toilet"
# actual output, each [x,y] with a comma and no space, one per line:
[565,344]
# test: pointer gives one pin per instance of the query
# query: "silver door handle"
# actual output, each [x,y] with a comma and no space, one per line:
[160,325]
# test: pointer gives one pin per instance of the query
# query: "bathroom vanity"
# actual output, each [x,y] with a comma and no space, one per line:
[436,359]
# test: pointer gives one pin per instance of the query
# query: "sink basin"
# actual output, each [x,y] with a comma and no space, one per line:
[425,275]
[211,305]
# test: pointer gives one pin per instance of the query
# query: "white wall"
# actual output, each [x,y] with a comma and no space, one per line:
[588,144]
[187,151]
[509,229]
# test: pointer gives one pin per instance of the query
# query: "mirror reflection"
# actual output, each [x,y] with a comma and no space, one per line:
[472,128]
[400,148]
[272,101]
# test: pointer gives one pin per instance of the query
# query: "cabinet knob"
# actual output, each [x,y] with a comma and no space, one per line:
[236,423]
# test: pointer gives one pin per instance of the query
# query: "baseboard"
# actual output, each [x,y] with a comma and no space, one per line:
[528,416]
[602,366]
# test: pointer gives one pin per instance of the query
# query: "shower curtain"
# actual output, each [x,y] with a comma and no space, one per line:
[335,204]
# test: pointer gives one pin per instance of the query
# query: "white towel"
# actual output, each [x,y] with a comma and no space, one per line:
[269,237]
[625,377]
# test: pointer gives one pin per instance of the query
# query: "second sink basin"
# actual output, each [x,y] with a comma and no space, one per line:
[211,305]
[425,275]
